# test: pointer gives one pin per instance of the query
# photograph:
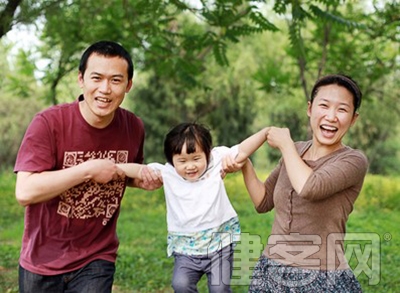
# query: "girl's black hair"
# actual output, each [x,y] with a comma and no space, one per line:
[190,133]
[341,80]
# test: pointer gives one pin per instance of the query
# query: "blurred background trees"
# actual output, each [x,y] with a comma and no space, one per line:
[233,65]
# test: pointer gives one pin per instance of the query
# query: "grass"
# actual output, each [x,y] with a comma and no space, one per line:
[143,266]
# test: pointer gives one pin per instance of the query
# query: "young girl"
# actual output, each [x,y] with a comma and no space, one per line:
[202,224]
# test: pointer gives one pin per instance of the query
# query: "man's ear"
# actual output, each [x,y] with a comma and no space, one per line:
[80,79]
[129,86]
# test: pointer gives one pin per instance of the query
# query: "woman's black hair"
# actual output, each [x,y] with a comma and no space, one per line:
[190,133]
[341,80]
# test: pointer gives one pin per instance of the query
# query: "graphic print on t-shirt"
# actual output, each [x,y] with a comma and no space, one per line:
[91,199]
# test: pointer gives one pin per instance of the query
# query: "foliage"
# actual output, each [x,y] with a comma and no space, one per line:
[16,113]
[12,127]
[324,41]
[225,63]
[155,32]
[380,192]
[142,264]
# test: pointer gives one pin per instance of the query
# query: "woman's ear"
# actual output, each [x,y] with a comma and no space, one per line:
[309,106]
[354,119]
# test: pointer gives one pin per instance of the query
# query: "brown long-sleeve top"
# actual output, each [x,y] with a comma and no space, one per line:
[309,227]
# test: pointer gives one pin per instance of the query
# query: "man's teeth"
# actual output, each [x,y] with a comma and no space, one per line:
[104,100]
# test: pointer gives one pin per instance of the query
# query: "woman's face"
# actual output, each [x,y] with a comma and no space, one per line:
[190,166]
[331,115]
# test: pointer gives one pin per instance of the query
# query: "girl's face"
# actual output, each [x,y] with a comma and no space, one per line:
[331,115]
[190,166]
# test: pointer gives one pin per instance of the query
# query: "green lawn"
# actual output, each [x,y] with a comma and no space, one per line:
[143,266]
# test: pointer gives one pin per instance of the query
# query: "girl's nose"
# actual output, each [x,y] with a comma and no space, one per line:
[190,166]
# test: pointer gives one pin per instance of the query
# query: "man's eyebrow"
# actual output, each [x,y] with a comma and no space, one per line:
[114,75]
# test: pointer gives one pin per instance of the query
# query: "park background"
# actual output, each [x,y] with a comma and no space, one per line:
[233,65]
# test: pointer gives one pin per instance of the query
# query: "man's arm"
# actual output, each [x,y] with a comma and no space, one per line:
[34,187]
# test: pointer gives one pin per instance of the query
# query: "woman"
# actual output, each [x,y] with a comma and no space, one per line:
[313,190]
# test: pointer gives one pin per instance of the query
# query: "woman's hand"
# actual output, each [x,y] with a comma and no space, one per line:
[279,137]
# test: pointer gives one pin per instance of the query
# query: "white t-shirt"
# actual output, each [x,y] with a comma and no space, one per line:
[203,204]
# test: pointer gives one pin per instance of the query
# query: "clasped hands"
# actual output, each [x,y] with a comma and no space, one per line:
[275,137]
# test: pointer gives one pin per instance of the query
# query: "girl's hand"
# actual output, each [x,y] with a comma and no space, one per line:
[149,179]
[229,165]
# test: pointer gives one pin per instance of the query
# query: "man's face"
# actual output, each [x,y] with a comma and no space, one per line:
[104,85]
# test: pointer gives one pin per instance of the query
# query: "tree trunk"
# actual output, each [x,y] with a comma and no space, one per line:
[7,16]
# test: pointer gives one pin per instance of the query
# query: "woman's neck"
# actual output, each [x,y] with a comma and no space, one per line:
[316,151]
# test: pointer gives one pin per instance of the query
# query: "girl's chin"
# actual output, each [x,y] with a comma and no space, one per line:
[191,179]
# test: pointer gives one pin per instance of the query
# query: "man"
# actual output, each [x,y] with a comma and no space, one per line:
[68,180]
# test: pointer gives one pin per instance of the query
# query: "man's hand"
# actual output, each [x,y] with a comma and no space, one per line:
[103,171]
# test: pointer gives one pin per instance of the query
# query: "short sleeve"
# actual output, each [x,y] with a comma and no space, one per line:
[37,151]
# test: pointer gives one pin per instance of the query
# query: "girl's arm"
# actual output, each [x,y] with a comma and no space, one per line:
[248,146]
[132,170]
[141,176]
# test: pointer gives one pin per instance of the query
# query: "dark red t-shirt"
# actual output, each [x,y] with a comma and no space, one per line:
[73,229]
